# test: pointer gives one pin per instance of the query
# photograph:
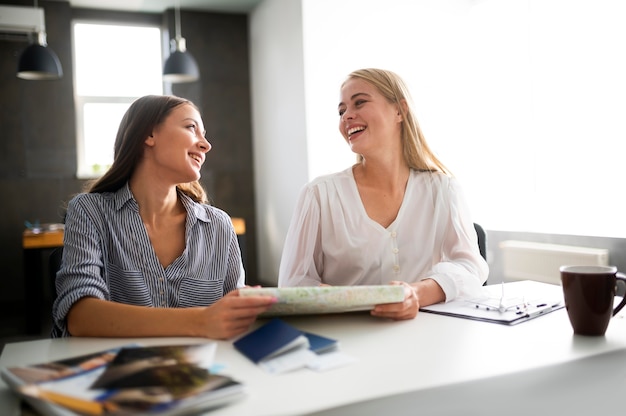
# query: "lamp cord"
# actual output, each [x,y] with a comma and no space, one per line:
[177,19]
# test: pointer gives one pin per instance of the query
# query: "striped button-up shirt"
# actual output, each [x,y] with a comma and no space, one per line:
[107,255]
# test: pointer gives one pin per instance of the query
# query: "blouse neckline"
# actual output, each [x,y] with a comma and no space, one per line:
[357,196]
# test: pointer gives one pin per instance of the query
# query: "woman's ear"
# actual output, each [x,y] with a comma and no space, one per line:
[149,140]
[402,108]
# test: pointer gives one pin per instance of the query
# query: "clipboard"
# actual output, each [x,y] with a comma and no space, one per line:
[508,303]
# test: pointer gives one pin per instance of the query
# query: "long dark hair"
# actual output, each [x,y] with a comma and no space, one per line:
[143,115]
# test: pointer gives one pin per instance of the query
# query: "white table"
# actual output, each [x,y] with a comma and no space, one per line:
[432,365]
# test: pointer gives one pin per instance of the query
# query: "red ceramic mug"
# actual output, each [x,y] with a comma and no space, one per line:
[589,295]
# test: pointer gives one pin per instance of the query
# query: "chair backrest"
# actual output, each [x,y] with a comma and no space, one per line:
[54,264]
[482,240]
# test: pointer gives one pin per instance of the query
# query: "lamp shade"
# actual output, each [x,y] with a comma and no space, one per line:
[39,62]
[180,65]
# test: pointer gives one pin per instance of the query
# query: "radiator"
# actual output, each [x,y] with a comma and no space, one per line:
[523,260]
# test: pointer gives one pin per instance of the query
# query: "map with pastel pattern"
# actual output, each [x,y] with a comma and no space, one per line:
[326,299]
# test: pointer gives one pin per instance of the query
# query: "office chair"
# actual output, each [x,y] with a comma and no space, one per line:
[482,242]
[54,264]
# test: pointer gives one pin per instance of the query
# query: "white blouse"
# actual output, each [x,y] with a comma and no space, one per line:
[332,240]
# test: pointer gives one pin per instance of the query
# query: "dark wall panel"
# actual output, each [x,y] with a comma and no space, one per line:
[38,133]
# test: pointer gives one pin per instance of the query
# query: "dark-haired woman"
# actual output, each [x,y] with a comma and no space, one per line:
[144,254]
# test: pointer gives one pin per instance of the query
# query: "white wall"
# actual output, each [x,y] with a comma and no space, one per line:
[522,99]
[278,124]
[417,39]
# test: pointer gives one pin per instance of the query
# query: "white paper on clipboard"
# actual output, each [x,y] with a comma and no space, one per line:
[508,304]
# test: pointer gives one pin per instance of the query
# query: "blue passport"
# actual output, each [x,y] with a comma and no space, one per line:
[270,340]
[319,344]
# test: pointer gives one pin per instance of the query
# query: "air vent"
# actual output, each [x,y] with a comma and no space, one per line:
[19,20]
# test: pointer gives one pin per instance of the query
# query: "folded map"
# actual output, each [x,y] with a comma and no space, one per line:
[326,299]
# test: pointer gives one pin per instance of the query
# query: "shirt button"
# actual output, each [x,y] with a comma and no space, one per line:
[160,279]
[393,234]
[395,251]
[396,268]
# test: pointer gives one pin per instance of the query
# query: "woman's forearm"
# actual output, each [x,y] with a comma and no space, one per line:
[429,292]
[101,318]
[228,317]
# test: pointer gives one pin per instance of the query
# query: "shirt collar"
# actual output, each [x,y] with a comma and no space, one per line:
[123,196]
[194,209]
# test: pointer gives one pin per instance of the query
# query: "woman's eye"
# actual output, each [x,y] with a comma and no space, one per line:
[359,102]
[191,126]
[341,112]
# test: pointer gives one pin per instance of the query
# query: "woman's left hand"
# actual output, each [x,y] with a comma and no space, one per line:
[407,309]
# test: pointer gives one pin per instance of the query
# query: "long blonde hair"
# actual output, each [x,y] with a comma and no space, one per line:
[416,151]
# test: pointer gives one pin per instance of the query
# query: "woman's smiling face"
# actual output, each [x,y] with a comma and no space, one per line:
[366,119]
[178,144]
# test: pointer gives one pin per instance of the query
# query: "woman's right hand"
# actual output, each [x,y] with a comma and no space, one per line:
[232,315]
[407,309]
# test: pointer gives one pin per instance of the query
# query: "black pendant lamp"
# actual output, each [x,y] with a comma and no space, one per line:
[180,65]
[37,61]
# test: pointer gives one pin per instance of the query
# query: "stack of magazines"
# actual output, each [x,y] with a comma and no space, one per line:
[161,380]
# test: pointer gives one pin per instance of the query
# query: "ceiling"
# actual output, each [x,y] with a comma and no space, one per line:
[158,6]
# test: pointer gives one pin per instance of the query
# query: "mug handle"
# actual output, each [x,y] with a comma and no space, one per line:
[622,277]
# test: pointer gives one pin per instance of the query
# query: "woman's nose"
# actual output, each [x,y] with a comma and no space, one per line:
[204,145]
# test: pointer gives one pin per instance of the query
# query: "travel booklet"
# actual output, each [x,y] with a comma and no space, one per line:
[137,380]
[508,303]
[270,340]
[278,347]
[326,299]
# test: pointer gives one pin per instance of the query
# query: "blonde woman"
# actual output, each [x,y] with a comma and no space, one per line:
[395,217]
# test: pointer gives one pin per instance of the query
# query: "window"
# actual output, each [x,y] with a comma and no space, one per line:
[114,65]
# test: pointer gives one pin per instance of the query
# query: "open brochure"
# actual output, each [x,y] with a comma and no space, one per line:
[162,380]
[507,303]
[326,299]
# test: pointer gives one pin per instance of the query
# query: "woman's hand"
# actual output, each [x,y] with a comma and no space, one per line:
[232,315]
[407,309]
